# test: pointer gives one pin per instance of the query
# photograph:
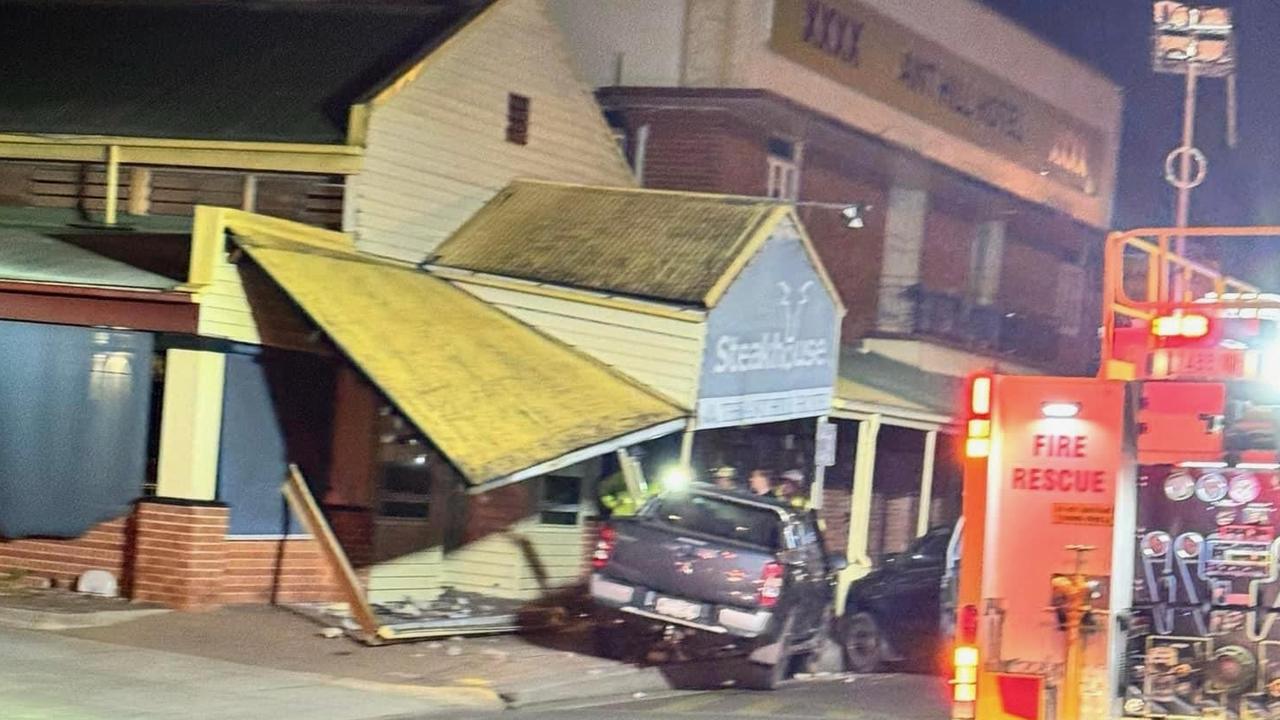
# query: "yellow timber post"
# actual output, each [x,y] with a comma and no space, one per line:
[926,482]
[864,467]
[113,183]
[191,425]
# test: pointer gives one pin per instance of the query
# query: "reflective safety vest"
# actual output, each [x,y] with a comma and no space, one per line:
[617,499]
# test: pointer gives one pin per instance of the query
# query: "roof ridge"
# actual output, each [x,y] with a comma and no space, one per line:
[697,194]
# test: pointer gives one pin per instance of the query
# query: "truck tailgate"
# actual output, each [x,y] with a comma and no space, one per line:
[689,566]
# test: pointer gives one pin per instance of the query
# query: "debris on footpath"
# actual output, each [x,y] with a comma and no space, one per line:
[452,613]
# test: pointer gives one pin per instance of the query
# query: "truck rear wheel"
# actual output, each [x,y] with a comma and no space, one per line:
[863,644]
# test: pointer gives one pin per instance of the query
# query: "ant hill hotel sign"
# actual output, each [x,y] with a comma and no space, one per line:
[773,341]
[849,43]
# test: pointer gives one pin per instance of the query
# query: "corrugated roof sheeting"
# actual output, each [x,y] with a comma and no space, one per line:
[493,395]
[586,237]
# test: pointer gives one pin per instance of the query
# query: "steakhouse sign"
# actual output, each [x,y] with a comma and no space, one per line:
[1051,482]
[771,342]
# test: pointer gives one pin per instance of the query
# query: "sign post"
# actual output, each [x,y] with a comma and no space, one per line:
[1194,41]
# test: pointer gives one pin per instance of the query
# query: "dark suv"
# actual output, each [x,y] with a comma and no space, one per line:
[896,613]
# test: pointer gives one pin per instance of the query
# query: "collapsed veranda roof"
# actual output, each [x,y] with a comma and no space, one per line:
[677,247]
[248,71]
[496,397]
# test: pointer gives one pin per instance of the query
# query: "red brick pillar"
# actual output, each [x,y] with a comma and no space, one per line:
[180,552]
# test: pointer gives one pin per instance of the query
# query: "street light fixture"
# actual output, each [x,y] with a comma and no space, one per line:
[853,215]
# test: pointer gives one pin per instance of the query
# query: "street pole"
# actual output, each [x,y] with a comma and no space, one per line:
[1182,209]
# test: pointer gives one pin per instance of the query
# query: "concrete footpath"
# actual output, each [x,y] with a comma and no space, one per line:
[53,677]
[504,671]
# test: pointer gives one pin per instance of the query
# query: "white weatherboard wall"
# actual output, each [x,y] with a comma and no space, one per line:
[437,151]
[661,353]
[498,565]
[224,307]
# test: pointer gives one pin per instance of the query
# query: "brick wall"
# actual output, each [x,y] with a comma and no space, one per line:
[179,557]
[353,527]
[683,150]
[944,261]
[102,548]
[279,571]
[184,559]
[852,256]
[835,514]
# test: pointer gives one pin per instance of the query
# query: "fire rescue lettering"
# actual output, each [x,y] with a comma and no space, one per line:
[1059,479]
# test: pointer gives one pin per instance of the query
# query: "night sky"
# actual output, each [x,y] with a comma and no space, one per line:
[1243,184]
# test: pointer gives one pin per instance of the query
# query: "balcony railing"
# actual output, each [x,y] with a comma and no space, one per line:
[985,328]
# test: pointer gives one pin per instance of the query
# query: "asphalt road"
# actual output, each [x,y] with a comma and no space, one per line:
[861,697]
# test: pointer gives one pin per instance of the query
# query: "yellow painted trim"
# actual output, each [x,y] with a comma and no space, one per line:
[113,184]
[404,79]
[805,240]
[128,142]
[560,292]
[248,223]
[757,237]
[208,243]
[358,117]
[864,465]
[762,233]
[762,202]
[191,425]
[278,157]
[211,224]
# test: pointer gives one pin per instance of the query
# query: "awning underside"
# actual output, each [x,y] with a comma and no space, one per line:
[30,256]
[493,395]
[871,379]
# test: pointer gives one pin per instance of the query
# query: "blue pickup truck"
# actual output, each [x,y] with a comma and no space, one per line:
[746,578]
[725,573]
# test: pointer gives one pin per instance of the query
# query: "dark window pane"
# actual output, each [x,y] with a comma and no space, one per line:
[719,518]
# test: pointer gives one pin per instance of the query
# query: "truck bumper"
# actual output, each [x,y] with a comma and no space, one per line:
[640,602]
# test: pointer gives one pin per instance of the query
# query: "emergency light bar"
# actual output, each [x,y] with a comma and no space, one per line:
[1060,409]
[1180,325]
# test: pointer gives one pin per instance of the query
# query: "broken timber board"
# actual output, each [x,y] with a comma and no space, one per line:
[300,499]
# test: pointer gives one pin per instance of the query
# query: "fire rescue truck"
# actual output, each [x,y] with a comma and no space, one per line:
[1120,555]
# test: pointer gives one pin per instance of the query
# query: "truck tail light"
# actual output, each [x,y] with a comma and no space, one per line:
[605,544]
[964,682]
[770,585]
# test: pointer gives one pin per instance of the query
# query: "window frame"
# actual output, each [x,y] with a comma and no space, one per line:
[782,170]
